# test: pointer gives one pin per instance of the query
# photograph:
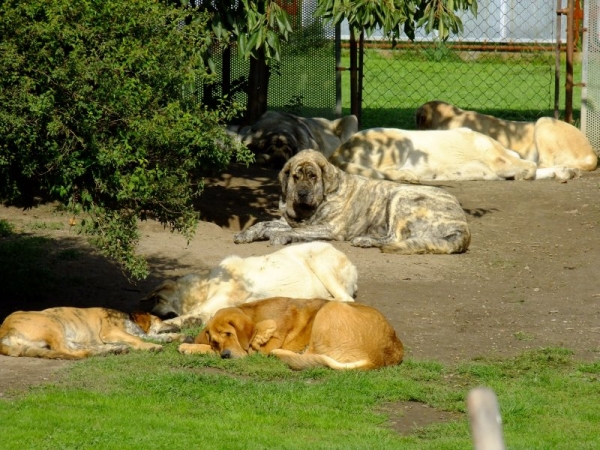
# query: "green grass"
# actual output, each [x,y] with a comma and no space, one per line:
[36,225]
[168,400]
[512,86]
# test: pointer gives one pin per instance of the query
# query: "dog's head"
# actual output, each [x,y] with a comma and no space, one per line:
[151,324]
[276,137]
[275,148]
[174,298]
[229,333]
[164,301]
[305,180]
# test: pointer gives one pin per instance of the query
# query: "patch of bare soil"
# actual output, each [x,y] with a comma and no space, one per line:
[410,417]
[528,280]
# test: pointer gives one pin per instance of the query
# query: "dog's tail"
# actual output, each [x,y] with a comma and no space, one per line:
[301,361]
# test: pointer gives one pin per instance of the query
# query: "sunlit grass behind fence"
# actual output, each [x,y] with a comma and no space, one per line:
[397,82]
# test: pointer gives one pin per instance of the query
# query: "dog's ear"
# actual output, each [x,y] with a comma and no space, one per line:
[142,319]
[284,175]
[244,329]
[203,337]
[329,174]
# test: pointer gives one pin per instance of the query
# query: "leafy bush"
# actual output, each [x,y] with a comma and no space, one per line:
[92,114]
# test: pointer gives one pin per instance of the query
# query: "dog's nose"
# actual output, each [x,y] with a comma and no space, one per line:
[303,193]
[226,354]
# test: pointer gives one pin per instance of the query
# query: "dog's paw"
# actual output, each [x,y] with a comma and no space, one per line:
[155,348]
[567,173]
[279,239]
[243,237]
[191,349]
[187,339]
[363,241]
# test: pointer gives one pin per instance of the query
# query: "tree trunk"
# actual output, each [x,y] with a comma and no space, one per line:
[258,87]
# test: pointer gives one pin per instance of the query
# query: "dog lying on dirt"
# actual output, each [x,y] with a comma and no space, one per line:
[443,155]
[321,202]
[277,136]
[329,333]
[547,142]
[76,333]
[315,269]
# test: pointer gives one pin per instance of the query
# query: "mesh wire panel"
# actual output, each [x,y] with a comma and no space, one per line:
[502,64]
[303,81]
[590,106]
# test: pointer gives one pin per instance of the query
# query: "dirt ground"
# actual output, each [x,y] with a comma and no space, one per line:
[528,280]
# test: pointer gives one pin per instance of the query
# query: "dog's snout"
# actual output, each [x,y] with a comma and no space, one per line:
[303,192]
[226,354]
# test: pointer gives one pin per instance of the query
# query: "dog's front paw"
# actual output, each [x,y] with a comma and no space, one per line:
[155,348]
[243,237]
[191,349]
[279,239]
[363,241]
[567,173]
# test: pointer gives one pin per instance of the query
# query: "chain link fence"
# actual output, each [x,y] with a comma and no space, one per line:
[590,108]
[503,63]
[303,82]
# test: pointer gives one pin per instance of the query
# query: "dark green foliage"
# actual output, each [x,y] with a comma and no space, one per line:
[92,114]
[393,17]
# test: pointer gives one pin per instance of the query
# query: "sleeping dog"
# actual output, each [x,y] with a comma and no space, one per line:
[76,333]
[303,333]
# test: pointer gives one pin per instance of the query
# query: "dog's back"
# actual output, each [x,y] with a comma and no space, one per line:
[49,333]
[347,336]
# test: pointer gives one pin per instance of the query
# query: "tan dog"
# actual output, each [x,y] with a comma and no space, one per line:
[277,136]
[446,155]
[315,269]
[75,333]
[547,142]
[329,333]
[321,202]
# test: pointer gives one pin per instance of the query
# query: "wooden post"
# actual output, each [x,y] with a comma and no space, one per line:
[484,416]
[570,52]
[559,13]
[354,106]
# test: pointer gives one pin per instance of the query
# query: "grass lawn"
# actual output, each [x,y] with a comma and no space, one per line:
[168,400]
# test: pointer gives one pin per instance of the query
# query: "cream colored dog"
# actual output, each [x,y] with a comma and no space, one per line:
[315,269]
[414,156]
[277,136]
[547,142]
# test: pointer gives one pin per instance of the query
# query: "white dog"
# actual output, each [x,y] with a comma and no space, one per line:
[443,155]
[547,142]
[309,270]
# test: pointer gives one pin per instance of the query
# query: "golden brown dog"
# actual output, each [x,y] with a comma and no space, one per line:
[330,333]
[548,142]
[76,333]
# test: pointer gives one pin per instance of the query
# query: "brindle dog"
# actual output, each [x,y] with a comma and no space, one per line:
[321,202]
